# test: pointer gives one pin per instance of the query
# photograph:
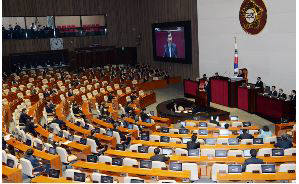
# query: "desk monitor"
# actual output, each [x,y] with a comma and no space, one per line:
[52,150]
[117,161]
[277,152]
[120,147]
[10,163]
[70,137]
[167,151]
[246,124]
[144,136]
[109,133]
[193,152]
[164,139]
[258,141]
[78,123]
[136,181]
[28,142]
[246,153]
[106,179]
[92,158]
[130,126]
[203,132]
[185,140]
[183,123]
[233,141]
[53,173]
[174,166]
[211,141]
[143,149]
[203,124]
[60,134]
[220,153]
[86,126]
[268,168]
[234,118]
[79,177]
[164,130]
[235,168]
[146,164]
[39,146]
[183,131]
[83,141]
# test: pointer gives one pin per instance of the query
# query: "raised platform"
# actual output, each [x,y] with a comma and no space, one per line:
[166,109]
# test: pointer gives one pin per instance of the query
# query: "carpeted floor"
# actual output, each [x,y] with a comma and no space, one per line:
[177,91]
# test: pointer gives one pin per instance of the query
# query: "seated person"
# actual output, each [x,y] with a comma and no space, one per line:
[284,143]
[281,95]
[193,144]
[273,92]
[70,93]
[265,132]
[50,107]
[252,160]
[23,117]
[11,150]
[3,143]
[245,135]
[144,117]
[225,132]
[37,166]
[158,156]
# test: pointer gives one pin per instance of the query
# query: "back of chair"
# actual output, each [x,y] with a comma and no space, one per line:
[93,145]
[4,156]
[27,168]
[193,168]
[158,164]
[14,158]
[63,154]
[287,167]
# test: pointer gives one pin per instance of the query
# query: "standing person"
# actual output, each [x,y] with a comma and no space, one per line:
[208,91]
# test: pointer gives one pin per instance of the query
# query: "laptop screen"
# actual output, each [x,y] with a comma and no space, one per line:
[233,141]
[53,173]
[220,153]
[246,153]
[106,179]
[144,136]
[70,137]
[203,124]
[185,140]
[143,149]
[52,150]
[146,164]
[117,161]
[164,139]
[211,141]
[79,177]
[92,158]
[183,131]
[258,141]
[109,133]
[137,181]
[203,132]
[28,142]
[86,126]
[268,168]
[10,163]
[83,141]
[166,151]
[174,166]
[60,134]
[246,124]
[39,146]
[165,130]
[193,152]
[234,168]
[277,152]
[120,147]
[130,126]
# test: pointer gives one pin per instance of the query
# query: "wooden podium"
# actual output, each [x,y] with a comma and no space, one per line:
[202,98]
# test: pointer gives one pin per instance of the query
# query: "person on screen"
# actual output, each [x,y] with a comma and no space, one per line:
[170,49]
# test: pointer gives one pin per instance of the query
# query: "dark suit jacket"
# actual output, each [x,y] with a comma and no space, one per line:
[173,51]
[33,160]
[251,160]
[160,158]
[259,84]
[284,96]
[193,145]
[273,93]
[245,136]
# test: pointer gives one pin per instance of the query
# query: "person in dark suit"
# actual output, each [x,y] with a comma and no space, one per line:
[252,160]
[208,91]
[293,96]
[30,127]
[37,166]
[204,77]
[273,92]
[245,135]
[170,49]
[23,117]
[193,144]
[158,156]
[281,95]
[284,142]
[259,83]
[3,143]
[144,117]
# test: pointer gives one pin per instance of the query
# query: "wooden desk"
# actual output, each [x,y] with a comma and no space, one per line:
[54,159]
[255,176]
[13,175]
[131,170]
[155,84]
[45,179]
[217,146]
[129,154]
[198,136]
[111,140]
[163,120]
[217,129]
[85,149]
[283,126]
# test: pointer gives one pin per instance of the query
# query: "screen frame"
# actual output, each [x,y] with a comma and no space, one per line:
[188,41]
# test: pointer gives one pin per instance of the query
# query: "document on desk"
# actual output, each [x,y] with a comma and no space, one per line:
[66,142]
[7,137]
